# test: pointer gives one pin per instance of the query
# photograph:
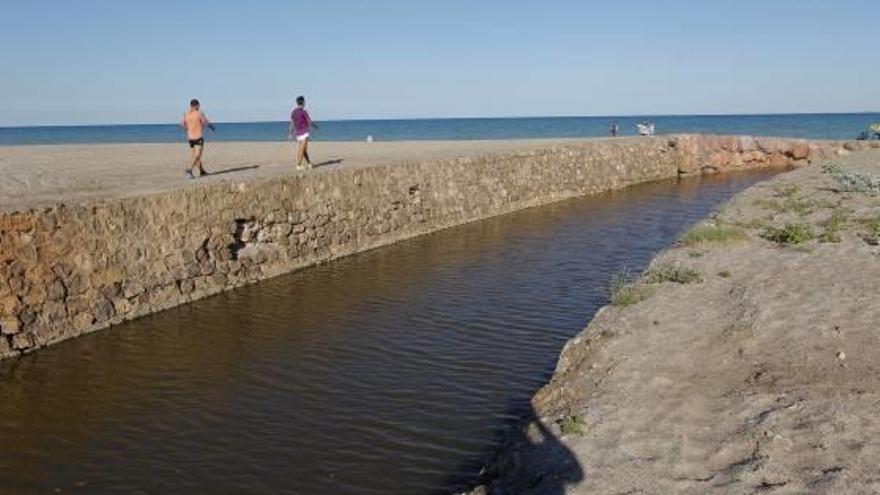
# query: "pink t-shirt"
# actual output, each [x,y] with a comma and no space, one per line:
[301,121]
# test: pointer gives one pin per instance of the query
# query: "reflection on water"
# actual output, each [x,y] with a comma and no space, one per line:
[393,371]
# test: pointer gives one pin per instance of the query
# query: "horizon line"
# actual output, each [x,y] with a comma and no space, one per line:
[511,117]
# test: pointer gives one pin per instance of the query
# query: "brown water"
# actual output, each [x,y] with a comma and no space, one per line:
[390,372]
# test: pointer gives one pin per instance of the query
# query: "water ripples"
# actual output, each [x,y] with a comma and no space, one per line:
[394,371]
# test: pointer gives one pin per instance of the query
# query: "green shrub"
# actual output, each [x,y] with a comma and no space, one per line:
[792,234]
[704,234]
[572,425]
[800,206]
[872,227]
[787,191]
[625,291]
[834,226]
[724,274]
[852,182]
[673,273]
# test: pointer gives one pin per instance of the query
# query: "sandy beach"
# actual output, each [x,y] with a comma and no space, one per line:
[37,176]
[743,361]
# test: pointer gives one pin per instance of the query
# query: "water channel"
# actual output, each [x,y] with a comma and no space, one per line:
[395,371]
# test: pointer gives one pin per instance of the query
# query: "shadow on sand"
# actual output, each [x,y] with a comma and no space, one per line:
[233,170]
[529,460]
[329,162]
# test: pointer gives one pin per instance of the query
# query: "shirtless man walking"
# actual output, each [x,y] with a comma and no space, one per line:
[300,125]
[194,121]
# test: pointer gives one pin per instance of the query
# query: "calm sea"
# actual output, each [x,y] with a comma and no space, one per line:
[825,126]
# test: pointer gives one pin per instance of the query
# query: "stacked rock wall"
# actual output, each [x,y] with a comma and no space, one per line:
[73,269]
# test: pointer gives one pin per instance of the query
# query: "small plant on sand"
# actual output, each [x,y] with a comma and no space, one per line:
[799,206]
[787,191]
[871,228]
[673,273]
[852,182]
[724,274]
[792,234]
[755,223]
[626,291]
[572,425]
[833,226]
[710,233]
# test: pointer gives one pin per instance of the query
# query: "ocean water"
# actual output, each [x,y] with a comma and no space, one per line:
[817,126]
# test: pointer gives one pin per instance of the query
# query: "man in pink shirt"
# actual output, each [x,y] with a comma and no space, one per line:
[300,126]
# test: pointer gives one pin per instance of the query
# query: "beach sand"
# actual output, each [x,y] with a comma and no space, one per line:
[38,176]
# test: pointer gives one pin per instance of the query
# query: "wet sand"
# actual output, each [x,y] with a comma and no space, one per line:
[38,176]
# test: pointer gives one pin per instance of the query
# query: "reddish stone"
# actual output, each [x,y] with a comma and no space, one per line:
[770,145]
[778,160]
[729,143]
[719,160]
[747,143]
[754,156]
[800,151]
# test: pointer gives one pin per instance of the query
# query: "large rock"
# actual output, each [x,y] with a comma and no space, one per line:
[800,151]
[9,325]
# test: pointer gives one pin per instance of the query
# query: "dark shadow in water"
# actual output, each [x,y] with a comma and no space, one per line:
[233,170]
[531,459]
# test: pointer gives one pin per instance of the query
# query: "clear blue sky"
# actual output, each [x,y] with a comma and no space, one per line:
[90,61]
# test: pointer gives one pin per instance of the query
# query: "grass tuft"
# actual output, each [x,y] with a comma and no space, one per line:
[799,206]
[792,234]
[724,274]
[673,273]
[626,291]
[787,191]
[705,234]
[572,425]
[872,230]
[834,226]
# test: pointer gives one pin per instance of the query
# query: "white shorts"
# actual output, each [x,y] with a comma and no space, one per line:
[302,137]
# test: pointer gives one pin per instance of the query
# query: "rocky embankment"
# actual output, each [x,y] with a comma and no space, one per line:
[746,359]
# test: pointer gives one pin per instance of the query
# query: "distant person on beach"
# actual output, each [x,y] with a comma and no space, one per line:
[614,129]
[194,121]
[645,128]
[300,129]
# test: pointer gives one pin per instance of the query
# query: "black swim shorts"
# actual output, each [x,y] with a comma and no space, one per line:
[196,142]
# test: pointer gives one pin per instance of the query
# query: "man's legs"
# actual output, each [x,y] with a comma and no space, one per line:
[197,160]
[306,152]
[302,152]
[299,153]
[193,159]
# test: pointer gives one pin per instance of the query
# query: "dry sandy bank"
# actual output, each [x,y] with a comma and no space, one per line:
[762,377]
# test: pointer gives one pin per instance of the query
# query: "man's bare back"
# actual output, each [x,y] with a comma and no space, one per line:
[194,121]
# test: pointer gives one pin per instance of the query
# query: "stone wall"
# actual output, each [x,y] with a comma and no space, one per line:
[709,154]
[73,269]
